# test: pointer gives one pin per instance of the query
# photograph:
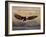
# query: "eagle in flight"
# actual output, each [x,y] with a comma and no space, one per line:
[24,18]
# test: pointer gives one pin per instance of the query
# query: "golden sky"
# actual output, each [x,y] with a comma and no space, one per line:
[26,11]
[31,11]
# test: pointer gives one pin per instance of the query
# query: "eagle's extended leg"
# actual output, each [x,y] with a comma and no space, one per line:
[24,19]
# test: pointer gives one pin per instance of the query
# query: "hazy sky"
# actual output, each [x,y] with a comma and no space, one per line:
[26,12]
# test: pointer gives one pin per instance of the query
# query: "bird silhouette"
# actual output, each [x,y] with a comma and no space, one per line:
[24,18]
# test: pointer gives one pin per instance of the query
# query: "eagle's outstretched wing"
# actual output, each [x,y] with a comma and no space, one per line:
[31,17]
[24,18]
[18,17]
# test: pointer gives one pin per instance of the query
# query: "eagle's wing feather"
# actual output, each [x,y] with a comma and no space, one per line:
[18,17]
[31,17]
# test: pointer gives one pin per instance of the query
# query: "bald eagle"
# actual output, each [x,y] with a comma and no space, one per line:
[24,18]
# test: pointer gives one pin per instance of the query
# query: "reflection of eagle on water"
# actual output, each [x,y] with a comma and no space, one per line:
[24,18]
